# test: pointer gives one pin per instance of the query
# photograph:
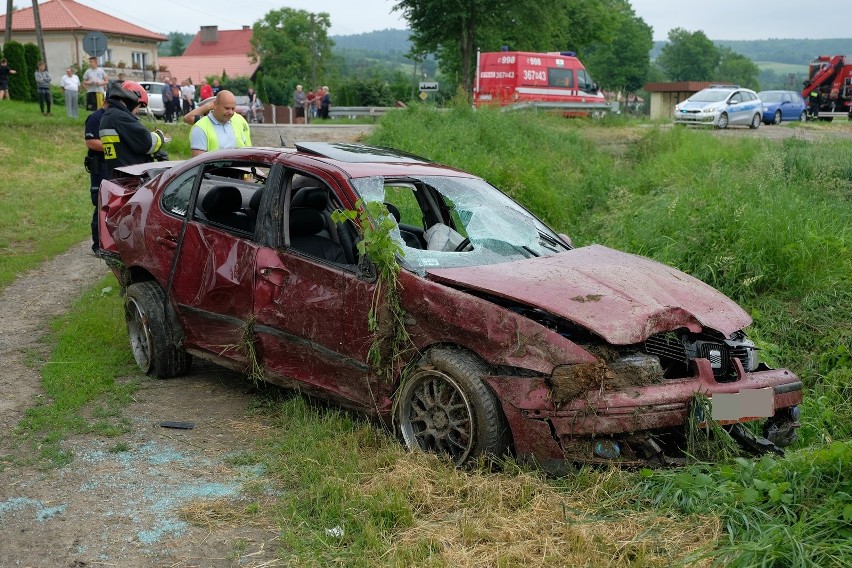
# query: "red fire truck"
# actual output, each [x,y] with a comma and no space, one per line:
[520,78]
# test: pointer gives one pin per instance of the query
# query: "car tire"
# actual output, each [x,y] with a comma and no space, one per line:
[151,333]
[444,407]
[722,123]
[755,122]
[804,116]
[777,118]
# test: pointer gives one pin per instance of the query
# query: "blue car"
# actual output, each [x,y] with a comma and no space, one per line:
[779,106]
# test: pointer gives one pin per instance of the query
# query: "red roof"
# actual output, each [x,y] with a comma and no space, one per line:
[67,15]
[200,67]
[228,42]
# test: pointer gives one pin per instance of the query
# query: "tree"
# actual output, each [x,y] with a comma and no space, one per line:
[177,45]
[33,55]
[622,64]
[454,30]
[452,27]
[292,47]
[689,56]
[738,69]
[19,84]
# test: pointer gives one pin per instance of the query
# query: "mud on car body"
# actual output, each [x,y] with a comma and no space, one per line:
[522,344]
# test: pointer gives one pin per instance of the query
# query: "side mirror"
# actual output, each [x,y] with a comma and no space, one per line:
[566,239]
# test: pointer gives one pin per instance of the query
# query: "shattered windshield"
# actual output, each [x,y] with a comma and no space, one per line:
[444,222]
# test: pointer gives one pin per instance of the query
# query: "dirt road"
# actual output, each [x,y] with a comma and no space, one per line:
[121,508]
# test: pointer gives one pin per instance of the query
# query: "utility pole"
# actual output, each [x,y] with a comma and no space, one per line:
[38,30]
[313,51]
[9,9]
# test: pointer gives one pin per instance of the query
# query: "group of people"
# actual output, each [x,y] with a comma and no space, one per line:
[179,99]
[115,136]
[315,104]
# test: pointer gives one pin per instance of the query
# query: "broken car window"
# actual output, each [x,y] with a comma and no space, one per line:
[455,221]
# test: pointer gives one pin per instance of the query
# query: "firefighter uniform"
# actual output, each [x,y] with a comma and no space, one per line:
[125,139]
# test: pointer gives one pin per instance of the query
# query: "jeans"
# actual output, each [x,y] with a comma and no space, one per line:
[44,100]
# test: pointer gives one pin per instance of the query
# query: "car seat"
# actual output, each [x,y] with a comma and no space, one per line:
[222,205]
[408,232]
[305,225]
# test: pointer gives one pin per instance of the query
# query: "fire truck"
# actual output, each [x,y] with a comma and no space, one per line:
[831,77]
[516,79]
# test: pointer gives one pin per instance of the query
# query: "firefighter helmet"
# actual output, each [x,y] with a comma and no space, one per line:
[138,90]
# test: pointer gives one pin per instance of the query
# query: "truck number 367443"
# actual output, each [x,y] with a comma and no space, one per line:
[530,75]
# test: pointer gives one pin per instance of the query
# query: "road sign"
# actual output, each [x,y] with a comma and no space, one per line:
[95,44]
[428,86]
[424,96]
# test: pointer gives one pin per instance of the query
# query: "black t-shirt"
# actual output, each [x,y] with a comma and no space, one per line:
[4,73]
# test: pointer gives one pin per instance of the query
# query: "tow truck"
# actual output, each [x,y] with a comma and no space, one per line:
[831,77]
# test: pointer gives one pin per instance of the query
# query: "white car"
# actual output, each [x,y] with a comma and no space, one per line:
[721,106]
[155,98]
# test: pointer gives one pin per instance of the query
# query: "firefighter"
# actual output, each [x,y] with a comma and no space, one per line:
[813,103]
[125,140]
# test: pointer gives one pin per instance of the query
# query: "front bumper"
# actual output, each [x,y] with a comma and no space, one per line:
[545,433]
[699,118]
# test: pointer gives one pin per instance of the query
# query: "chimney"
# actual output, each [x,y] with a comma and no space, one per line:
[209,34]
[246,28]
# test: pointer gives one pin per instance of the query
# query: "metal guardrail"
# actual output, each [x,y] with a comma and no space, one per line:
[354,112]
[567,106]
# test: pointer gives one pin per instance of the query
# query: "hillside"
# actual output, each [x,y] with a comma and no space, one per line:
[791,51]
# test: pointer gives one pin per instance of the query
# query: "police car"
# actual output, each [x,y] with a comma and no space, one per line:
[721,106]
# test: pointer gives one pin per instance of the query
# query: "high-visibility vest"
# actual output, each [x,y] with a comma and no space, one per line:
[238,123]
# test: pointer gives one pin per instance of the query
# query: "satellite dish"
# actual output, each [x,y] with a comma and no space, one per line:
[95,44]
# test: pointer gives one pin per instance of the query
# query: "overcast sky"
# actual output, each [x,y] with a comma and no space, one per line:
[719,19]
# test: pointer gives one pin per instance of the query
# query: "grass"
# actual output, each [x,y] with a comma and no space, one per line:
[45,194]
[768,223]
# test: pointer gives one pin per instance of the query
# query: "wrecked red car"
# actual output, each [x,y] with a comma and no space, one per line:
[520,343]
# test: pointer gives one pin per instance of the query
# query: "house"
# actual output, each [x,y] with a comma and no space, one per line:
[65,23]
[200,66]
[212,41]
[211,53]
[664,96]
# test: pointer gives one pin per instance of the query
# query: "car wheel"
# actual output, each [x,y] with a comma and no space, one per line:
[777,118]
[151,333]
[755,121]
[723,121]
[444,407]
[804,116]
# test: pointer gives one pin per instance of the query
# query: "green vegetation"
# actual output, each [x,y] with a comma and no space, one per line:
[766,222]
[45,193]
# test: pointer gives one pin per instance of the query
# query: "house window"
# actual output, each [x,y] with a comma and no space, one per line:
[107,56]
[139,59]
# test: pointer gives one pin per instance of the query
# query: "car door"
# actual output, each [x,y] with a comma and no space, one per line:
[735,108]
[311,307]
[212,278]
[789,111]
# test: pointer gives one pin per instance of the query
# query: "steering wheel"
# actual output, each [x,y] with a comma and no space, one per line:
[464,246]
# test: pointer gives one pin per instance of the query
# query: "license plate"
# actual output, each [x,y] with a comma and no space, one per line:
[742,406]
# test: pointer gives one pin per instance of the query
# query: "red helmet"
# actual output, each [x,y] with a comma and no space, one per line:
[138,90]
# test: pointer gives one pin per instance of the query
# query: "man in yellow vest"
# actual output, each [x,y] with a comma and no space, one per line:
[221,128]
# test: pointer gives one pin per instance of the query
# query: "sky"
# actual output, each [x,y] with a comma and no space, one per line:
[718,19]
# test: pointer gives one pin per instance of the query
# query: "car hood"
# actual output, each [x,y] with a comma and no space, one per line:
[621,297]
[699,105]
